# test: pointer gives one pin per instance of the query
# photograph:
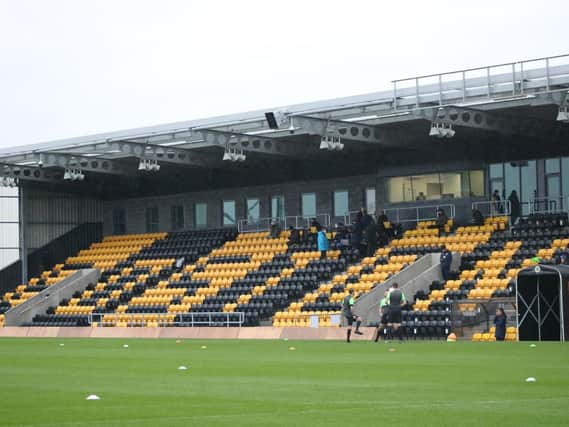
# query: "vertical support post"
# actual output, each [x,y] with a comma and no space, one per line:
[463,86]
[395,96]
[489,90]
[22,234]
[522,77]
[417,91]
[547,74]
[538,309]
[513,78]
[440,89]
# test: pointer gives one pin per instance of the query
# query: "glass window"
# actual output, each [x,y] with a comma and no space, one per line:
[553,184]
[340,203]
[552,166]
[253,211]
[201,215]
[496,170]
[229,212]
[476,183]
[565,176]
[450,185]
[152,223]
[119,221]
[528,185]
[308,205]
[177,217]
[370,200]
[277,207]
[399,189]
[512,178]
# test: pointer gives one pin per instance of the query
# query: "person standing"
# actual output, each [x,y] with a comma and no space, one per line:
[383,316]
[441,221]
[371,238]
[500,324]
[323,244]
[396,300]
[349,316]
[514,207]
[357,234]
[496,202]
[446,261]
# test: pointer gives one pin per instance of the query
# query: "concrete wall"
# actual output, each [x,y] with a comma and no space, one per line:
[50,297]
[266,333]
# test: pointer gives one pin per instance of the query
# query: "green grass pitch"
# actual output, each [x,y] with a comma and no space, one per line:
[263,383]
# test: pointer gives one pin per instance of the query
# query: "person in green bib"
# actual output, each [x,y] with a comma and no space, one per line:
[349,316]
[383,316]
[396,300]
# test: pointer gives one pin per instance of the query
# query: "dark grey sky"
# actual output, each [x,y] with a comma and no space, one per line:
[69,68]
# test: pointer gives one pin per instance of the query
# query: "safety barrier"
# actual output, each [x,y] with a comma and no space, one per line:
[298,221]
[165,319]
[493,208]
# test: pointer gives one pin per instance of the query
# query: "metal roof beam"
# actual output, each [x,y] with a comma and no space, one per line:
[346,130]
[250,143]
[28,173]
[91,164]
[156,152]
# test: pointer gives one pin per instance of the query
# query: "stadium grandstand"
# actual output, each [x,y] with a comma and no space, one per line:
[213,222]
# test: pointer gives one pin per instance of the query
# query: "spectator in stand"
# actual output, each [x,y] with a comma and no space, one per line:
[275,229]
[500,321]
[441,220]
[383,228]
[514,207]
[446,261]
[357,234]
[477,218]
[371,238]
[323,244]
[497,202]
[421,196]
[366,218]
[294,237]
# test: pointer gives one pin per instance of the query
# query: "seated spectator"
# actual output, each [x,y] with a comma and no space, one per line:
[477,218]
[275,229]
[421,196]
[294,237]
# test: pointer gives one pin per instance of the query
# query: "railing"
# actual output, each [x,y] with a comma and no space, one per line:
[165,319]
[493,208]
[417,214]
[510,79]
[298,221]
[543,205]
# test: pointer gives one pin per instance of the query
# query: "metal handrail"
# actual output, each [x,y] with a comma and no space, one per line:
[164,319]
[492,208]
[549,204]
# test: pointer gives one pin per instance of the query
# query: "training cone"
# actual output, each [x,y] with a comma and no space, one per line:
[292,348]
[530,380]
[182,368]
[178,341]
[204,347]
[451,337]
[92,397]
[125,345]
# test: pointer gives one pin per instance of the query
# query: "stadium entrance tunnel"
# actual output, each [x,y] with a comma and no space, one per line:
[542,303]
